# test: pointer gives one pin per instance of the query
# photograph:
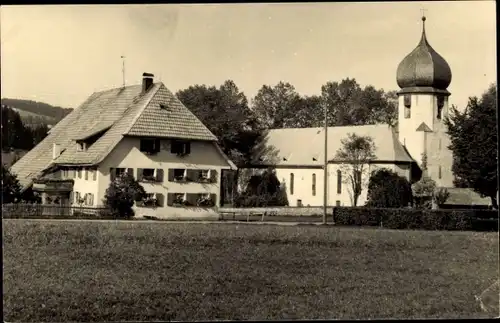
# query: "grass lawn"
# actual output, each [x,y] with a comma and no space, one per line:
[123,271]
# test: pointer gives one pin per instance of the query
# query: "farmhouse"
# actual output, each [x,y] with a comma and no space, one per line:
[298,154]
[143,130]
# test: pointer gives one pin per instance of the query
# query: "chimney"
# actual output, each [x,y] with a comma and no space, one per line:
[56,151]
[147,81]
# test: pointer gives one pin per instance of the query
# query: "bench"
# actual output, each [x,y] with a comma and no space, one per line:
[222,213]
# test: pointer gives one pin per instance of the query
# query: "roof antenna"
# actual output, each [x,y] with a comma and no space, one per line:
[123,69]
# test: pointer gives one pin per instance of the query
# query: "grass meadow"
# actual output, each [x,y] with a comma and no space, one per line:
[126,271]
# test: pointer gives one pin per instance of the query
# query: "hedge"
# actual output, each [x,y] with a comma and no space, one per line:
[407,218]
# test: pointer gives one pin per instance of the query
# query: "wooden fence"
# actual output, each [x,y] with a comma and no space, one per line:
[52,211]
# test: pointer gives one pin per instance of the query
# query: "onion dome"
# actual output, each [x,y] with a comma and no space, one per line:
[424,68]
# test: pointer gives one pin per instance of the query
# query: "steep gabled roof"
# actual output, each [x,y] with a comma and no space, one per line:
[305,146]
[166,116]
[116,112]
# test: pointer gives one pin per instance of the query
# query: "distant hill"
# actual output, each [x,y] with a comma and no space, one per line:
[33,112]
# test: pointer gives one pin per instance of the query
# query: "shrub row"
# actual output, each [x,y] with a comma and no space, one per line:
[406,218]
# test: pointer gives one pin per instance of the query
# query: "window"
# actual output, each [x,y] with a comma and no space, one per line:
[80,146]
[80,173]
[205,173]
[337,203]
[339,182]
[179,174]
[440,104]
[439,172]
[205,176]
[314,184]
[86,172]
[407,105]
[291,184]
[180,147]
[94,174]
[299,202]
[120,171]
[150,146]
[439,144]
[149,174]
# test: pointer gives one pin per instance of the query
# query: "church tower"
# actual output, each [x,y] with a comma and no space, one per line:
[423,77]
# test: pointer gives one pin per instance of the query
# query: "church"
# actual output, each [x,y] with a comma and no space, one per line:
[297,155]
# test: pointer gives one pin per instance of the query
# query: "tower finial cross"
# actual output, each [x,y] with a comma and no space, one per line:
[423,10]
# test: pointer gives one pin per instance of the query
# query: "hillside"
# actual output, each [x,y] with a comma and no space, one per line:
[33,112]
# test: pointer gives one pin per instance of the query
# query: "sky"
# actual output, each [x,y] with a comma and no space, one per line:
[62,54]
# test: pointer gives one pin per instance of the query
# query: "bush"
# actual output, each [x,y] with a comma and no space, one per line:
[406,218]
[263,190]
[388,190]
[121,195]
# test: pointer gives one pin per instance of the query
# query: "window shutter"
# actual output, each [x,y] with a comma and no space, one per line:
[192,198]
[139,174]
[213,175]
[94,174]
[91,199]
[160,199]
[112,174]
[72,197]
[188,148]
[170,199]
[159,175]
[191,174]
[170,174]
[86,174]
[130,171]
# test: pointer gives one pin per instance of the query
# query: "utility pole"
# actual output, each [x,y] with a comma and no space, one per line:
[325,166]
[123,70]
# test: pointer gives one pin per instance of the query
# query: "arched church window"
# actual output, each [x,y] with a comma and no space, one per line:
[440,105]
[439,172]
[314,184]
[339,182]
[291,183]
[407,104]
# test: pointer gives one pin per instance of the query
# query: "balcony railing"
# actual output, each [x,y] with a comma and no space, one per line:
[53,185]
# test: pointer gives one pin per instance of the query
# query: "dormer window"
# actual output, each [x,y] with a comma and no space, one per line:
[180,147]
[81,146]
[150,146]
[407,105]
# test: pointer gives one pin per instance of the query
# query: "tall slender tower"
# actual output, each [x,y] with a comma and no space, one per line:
[423,77]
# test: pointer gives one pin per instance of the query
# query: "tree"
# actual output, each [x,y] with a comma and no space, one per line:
[121,194]
[277,106]
[226,114]
[388,190]
[349,104]
[474,136]
[355,154]
[11,189]
[263,190]
[424,189]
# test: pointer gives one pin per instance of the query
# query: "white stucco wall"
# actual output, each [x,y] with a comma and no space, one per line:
[204,155]
[84,186]
[302,189]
